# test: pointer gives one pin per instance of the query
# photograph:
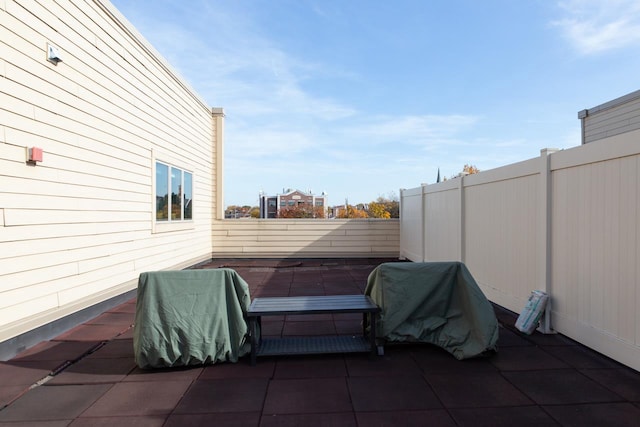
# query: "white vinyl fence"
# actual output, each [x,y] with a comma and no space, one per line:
[565,223]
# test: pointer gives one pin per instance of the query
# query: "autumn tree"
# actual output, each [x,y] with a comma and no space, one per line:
[352,212]
[470,169]
[385,207]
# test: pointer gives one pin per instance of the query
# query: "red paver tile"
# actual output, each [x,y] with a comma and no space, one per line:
[113,318]
[95,333]
[623,381]
[138,398]
[391,364]
[21,373]
[57,423]
[581,357]
[169,374]
[309,318]
[508,338]
[53,403]
[10,392]
[559,387]
[300,396]
[521,416]
[117,421]
[525,358]
[433,359]
[483,389]
[392,393]
[55,352]
[218,419]
[114,349]
[321,366]
[309,328]
[239,370]
[436,418]
[271,328]
[207,396]
[308,420]
[94,371]
[596,414]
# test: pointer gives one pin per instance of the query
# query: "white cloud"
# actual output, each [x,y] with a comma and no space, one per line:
[595,26]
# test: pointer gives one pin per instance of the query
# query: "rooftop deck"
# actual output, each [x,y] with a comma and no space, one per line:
[88,376]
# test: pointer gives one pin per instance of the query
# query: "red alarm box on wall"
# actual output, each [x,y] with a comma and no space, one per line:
[35,154]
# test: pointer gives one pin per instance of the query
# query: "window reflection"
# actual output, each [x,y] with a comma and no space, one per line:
[188,196]
[162,192]
[176,194]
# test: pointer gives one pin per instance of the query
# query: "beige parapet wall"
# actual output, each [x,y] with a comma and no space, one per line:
[77,227]
[567,222]
[320,238]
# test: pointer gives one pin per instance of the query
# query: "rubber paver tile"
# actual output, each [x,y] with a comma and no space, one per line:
[112,318]
[596,414]
[56,352]
[272,328]
[206,396]
[309,328]
[525,358]
[559,387]
[114,349]
[523,416]
[476,390]
[309,318]
[581,357]
[10,392]
[242,369]
[432,359]
[53,403]
[348,327]
[549,339]
[21,373]
[94,371]
[321,366]
[86,332]
[392,393]
[306,291]
[219,419]
[139,398]
[300,396]
[309,420]
[168,374]
[435,417]
[623,381]
[56,423]
[116,421]
[393,363]
[125,335]
[128,307]
[508,338]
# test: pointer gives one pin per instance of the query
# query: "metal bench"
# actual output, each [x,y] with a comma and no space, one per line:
[312,305]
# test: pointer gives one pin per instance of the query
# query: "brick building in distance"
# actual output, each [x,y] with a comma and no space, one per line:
[269,205]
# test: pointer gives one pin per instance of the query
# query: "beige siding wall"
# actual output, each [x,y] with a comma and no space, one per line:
[78,228]
[566,223]
[278,238]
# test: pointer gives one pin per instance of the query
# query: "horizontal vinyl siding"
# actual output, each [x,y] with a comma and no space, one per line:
[613,121]
[77,228]
[276,238]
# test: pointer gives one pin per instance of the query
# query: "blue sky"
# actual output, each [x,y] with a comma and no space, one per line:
[361,98]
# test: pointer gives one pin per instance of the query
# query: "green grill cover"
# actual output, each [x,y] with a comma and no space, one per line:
[190,317]
[434,302]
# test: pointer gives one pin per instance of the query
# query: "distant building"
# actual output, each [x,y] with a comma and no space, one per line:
[615,117]
[270,205]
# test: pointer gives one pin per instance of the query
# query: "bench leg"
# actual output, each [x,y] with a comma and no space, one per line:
[254,344]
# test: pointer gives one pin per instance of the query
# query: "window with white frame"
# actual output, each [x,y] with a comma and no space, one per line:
[174,193]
